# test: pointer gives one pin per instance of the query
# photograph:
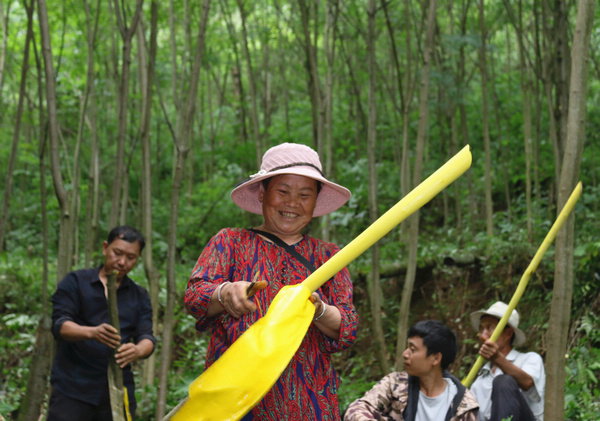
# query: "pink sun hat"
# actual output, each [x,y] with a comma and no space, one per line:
[296,159]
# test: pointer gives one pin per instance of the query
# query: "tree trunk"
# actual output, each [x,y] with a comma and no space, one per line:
[15,141]
[373,280]
[489,206]
[183,145]
[252,84]
[4,25]
[563,271]
[312,71]
[92,201]
[127,33]
[329,46]
[146,65]
[413,220]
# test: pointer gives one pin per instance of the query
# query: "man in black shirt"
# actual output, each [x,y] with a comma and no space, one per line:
[86,342]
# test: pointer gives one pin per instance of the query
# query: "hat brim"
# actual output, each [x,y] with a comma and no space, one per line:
[475,317]
[331,197]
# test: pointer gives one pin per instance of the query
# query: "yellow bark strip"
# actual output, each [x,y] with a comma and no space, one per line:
[240,378]
[562,216]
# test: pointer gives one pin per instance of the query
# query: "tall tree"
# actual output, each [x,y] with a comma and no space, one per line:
[373,279]
[489,206]
[92,201]
[15,142]
[4,26]
[37,383]
[252,84]
[563,261]
[146,71]
[182,146]
[413,220]
[312,71]
[127,33]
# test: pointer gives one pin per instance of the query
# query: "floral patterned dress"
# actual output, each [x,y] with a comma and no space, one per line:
[307,389]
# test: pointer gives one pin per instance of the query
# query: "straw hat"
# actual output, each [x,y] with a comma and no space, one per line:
[497,310]
[296,159]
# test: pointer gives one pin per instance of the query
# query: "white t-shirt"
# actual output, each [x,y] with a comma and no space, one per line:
[436,408]
[532,364]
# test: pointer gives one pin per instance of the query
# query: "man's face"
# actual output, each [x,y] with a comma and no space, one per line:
[120,256]
[487,326]
[416,361]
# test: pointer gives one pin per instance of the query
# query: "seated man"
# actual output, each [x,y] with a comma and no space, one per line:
[425,391]
[511,383]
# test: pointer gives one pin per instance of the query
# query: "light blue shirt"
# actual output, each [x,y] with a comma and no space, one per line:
[529,362]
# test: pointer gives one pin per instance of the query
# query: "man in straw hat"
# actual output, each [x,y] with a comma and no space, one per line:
[511,383]
[288,191]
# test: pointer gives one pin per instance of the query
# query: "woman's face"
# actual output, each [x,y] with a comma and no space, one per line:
[288,204]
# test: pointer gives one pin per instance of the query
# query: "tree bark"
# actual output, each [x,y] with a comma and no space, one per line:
[4,25]
[127,33]
[252,84]
[489,206]
[413,220]
[373,279]
[92,201]
[146,65]
[312,71]
[563,273]
[182,145]
[15,141]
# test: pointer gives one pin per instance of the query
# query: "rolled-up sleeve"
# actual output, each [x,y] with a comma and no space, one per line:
[211,270]
[65,303]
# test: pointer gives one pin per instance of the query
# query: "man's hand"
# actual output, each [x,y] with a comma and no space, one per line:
[126,354]
[107,335]
[489,350]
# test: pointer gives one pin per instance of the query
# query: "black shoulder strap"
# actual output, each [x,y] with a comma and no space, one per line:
[410,410]
[457,398]
[291,250]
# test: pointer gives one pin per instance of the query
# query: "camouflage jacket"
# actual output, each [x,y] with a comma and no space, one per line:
[388,398]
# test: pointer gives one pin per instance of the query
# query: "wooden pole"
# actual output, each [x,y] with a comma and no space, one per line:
[115,373]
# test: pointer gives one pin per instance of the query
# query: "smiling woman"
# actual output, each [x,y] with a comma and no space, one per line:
[288,191]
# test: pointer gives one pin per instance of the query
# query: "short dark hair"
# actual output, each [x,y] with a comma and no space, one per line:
[437,337]
[126,233]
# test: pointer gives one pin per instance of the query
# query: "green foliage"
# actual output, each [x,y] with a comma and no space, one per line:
[582,387]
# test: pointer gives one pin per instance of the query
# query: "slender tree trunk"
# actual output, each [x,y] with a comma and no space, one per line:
[37,383]
[489,206]
[183,146]
[563,271]
[92,201]
[414,219]
[4,25]
[329,46]
[373,278]
[314,86]
[252,85]
[238,86]
[146,65]
[127,33]
[15,141]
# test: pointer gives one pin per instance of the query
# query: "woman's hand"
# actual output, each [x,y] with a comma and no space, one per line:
[235,297]
[327,317]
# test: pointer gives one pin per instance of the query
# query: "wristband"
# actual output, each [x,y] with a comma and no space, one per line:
[219,292]
[322,313]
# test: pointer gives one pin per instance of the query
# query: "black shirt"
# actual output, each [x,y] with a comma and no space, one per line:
[80,368]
